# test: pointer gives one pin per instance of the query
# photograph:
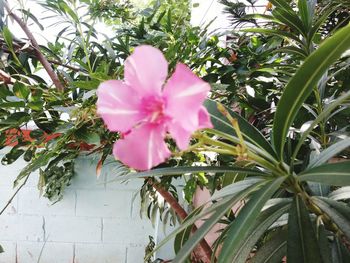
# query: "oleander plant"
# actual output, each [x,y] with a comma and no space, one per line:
[263,124]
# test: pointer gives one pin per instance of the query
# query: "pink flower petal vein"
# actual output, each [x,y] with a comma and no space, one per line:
[145,107]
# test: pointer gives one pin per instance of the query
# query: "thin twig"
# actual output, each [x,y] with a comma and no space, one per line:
[59,63]
[40,56]
[30,52]
[6,78]
[14,195]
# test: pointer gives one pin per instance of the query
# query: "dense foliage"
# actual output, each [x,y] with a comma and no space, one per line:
[279,104]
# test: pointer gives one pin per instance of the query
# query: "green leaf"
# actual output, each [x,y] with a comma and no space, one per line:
[235,187]
[321,20]
[305,79]
[338,212]
[279,33]
[264,221]
[290,19]
[36,134]
[211,210]
[14,104]
[285,5]
[86,85]
[4,92]
[21,90]
[193,217]
[250,133]
[208,224]
[291,50]
[30,15]
[319,189]
[273,250]
[8,37]
[28,155]
[340,254]
[340,194]
[332,174]
[244,223]
[190,169]
[323,115]
[323,243]
[330,152]
[12,156]
[87,136]
[302,246]
[36,105]
[262,17]
[64,7]
[1,249]
[306,10]
[42,160]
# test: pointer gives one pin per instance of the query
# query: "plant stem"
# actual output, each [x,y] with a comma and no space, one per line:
[298,189]
[323,135]
[14,195]
[39,55]
[203,251]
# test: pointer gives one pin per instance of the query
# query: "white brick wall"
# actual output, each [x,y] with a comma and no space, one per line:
[96,222]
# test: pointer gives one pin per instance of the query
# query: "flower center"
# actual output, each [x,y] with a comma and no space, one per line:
[153,107]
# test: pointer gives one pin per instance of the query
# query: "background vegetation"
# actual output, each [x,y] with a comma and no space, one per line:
[283,75]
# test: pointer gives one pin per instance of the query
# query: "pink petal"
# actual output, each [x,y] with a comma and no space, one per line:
[146,70]
[183,136]
[185,94]
[143,148]
[180,135]
[204,119]
[118,105]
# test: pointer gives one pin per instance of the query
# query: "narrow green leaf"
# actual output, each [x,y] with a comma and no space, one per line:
[322,116]
[12,156]
[64,7]
[250,133]
[200,213]
[324,244]
[211,210]
[302,246]
[34,165]
[339,212]
[285,5]
[262,17]
[305,79]
[340,254]
[306,8]
[190,169]
[86,85]
[340,194]
[236,187]
[331,174]
[8,37]
[14,104]
[208,224]
[330,152]
[273,250]
[291,50]
[319,189]
[279,33]
[290,19]
[246,219]
[30,15]
[321,20]
[1,249]
[264,221]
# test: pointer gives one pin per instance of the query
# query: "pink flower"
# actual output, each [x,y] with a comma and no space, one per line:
[145,107]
